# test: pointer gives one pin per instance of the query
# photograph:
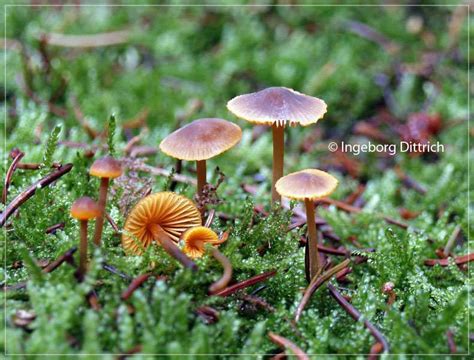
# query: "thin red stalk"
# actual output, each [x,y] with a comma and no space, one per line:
[356,315]
[226,276]
[112,222]
[246,283]
[30,191]
[8,176]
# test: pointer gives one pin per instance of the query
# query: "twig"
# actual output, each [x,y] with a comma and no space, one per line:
[458,260]
[112,223]
[8,176]
[356,315]
[409,182]
[52,229]
[66,257]
[115,271]
[30,191]
[452,240]
[369,33]
[135,284]
[285,343]
[451,342]
[316,283]
[246,283]
[82,120]
[87,41]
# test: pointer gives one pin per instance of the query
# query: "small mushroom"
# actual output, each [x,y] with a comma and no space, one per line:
[84,209]
[278,107]
[201,140]
[105,168]
[195,240]
[308,185]
[161,217]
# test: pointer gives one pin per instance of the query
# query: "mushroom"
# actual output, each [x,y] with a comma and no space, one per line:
[308,185]
[162,217]
[201,140]
[105,168]
[84,209]
[195,240]
[277,107]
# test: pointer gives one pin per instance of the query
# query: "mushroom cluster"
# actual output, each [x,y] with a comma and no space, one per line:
[168,219]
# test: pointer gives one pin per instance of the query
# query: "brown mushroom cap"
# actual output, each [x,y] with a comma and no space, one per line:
[106,167]
[202,139]
[306,184]
[172,212]
[278,106]
[84,208]
[195,240]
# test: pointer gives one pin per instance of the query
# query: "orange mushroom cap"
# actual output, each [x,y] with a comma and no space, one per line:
[308,184]
[278,106]
[106,167]
[195,240]
[84,208]
[202,139]
[172,212]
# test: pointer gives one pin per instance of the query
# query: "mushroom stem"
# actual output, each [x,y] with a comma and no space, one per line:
[201,175]
[99,223]
[170,247]
[226,276]
[278,156]
[312,248]
[82,251]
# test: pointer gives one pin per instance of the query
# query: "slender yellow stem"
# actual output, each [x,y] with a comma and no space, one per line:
[170,247]
[312,248]
[201,175]
[278,157]
[81,271]
[226,276]
[99,222]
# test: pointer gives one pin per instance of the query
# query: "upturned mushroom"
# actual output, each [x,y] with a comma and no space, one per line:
[84,209]
[196,238]
[105,168]
[195,241]
[201,140]
[278,107]
[162,217]
[308,185]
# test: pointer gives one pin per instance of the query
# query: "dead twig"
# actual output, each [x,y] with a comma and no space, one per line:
[135,284]
[53,228]
[87,41]
[316,282]
[8,176]
[246,283]
[112,223]
[287,344]
[458,260]
[115,271]
[30,191]
[356,315]
[452,240]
